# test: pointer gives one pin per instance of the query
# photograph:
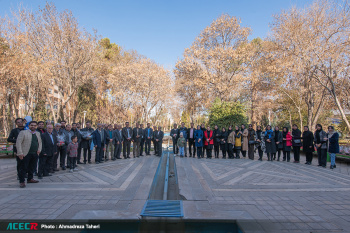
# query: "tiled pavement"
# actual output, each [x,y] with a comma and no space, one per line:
[262,196]
[266,196]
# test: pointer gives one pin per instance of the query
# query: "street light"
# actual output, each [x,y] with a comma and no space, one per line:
[84,118]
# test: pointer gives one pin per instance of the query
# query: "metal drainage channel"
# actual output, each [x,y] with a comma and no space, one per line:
[164,199]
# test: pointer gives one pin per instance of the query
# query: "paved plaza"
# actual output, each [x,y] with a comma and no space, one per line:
[261,196]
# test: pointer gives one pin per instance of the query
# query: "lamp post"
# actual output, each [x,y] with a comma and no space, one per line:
[84,118]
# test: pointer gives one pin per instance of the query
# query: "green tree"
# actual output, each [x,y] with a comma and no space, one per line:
[185,118]
[224,113]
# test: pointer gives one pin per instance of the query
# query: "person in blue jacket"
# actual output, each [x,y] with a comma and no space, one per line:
[99,140]
[333,144]
[198,137]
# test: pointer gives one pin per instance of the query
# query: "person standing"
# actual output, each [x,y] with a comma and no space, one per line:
[127,136]
[244,133]
[217,141]
[117,141]
[99,139]
[320,140]
[333,145]
[251,142]
[137,135]
[238,142]
[148,136]
[287,144]
[72,152]
[28,145]
[308,146]
[69,134]
[62,147]
[49,150]
[142,143]
[155,143]
[223,142]
[191,142]
[203,129]
[198,137]
[109,143]
[86,140]
[270,143]
[296,142]
[209,141]
[159,140]
[260,138]
[231,143]
[183,130]
[77,133]
[13,138]
[279,143]
[181,144]
[174,133]
[41,130]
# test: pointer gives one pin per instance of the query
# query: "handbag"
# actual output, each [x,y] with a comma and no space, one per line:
[250,142]
[297,141]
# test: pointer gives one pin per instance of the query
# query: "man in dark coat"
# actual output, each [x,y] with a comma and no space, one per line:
[296,134]
[136,138]
[49,149]
[127,137]
[279,143]
[117,141]
[216,137]
[175,134]
[155,143]
[86,139]
[159,140]
[142,143]
[148,136]
[191,141]
[308,144]
[99,138]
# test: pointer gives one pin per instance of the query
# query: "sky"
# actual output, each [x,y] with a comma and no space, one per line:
[161,30]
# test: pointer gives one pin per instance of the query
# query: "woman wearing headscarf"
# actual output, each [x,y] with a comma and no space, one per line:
[198,137]
[287,144]
[260,138]
[333,145]
[244,133]
[279,143]
[209,141]
[296,134]
[308,144]
[217,141]
[270,142]
[320,140]
[251,142]
[230,142]
[223,142]
[238,142]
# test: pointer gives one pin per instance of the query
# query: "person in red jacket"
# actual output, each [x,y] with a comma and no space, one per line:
[287,144]
[208,141]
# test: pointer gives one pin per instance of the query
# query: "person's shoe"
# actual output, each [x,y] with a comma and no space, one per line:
[138,156]
[71,170]
[90,162]
[128,157]
[260,159]
[319,165]
[32,181]
[284,159]
[334,166]
[97,162]
[288,161]
[75,169]
[48,175]
[278,159]
[296,162]
[40,177]
[63,168]
[22,185]
[331,167]
[106,160]
[101,161]
[119,158]
[80,162]
[185,155]
[307,163]
[324,166]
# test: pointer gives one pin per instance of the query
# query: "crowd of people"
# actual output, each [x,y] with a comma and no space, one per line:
[43,147]
[273,142]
